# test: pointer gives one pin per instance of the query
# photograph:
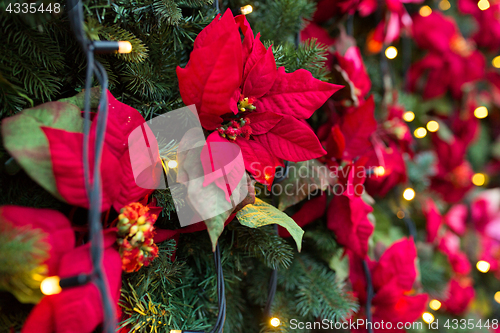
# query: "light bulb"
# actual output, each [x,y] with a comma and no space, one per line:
[496,62]
[420,132]
[497,297]
[481,112]
[400,214]
[408,116]
[428,317]
[275,322]
[425,11]
[124,47]
[478,179]
[483,266]
[435,304]
[379,171]
[245,10]
[391,52]
[172,164]
[50,285]
[444,5]
[432,126]
[409,194]
[483,4]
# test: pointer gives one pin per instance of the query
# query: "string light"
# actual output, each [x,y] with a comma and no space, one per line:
[478,179]
[50,285]
[245,10]
[435,304]
[379,171]
[432,126]
[391,52]
[483,4]
[409,116]
[497,297]
[496,62]
[444,5]
[425,11]
[420,132]
[172,164]
[483,266]
[124,47]
[428,317]
[481,112]
[409,194]
[275,322]
[400,215]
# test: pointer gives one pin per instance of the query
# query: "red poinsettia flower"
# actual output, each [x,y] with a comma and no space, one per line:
[119,187]
[449,244]
[434,219]
[76,309]
[347,214]
[488,23]
[455,218]
[349,137]
[351,67]
[55,227]
[451,62]
[393,277]
[241,95]
[396,18]
[460,295]
[485,212]
[326,9]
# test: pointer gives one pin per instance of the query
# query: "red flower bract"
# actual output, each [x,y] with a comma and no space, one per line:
[393,277]
[230,80]
[119,187]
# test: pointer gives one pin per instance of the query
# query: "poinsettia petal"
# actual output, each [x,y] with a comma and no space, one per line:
[259,161]
[263,122]
[335,144]
[222,164]
[78,309]
[212,83]
[256,54]
[397,261]
[122,119]
[66,153]
[296,94]
[262,76]
[291,140]
[248,40]
[217,28]
[347,218]
[56,228]
[129,191]
[310,211]
[357,127]
[434,220]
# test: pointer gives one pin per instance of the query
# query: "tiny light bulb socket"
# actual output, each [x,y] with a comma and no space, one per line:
[112,46]
[75,281]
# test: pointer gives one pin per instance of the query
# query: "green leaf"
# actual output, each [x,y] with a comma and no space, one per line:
[79,99]
[25,141]
[303,179]
[210,199]
[261,214]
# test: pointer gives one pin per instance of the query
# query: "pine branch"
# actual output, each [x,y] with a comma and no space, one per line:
[167,12]
[265,244]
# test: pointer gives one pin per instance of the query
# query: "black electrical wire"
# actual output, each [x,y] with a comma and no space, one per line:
[221,293]
[369,295]
[280,175]
[94,190]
